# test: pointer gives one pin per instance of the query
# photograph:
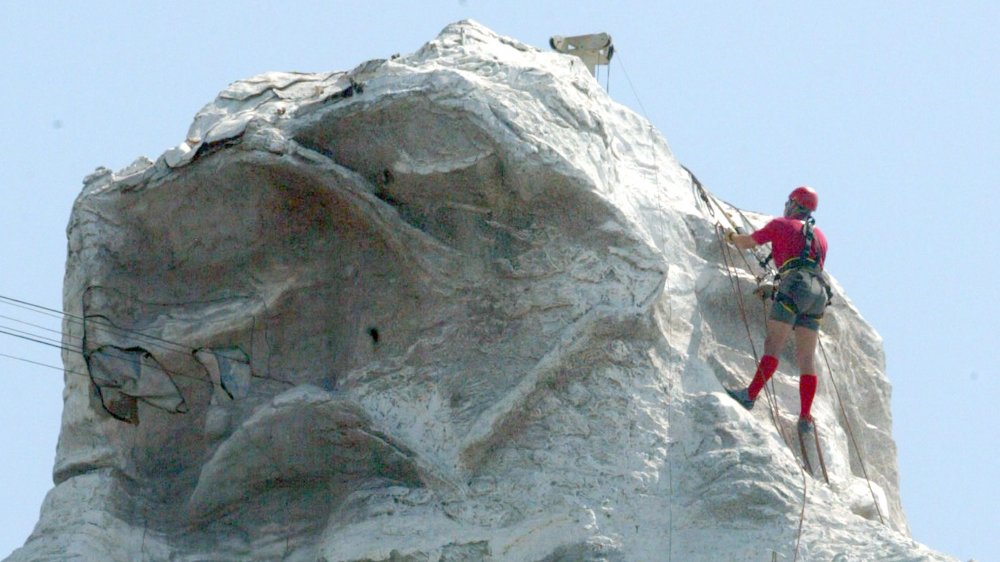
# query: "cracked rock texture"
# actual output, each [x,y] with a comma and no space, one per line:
[457,305]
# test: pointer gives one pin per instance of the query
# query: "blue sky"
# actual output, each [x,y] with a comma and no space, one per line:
[891,110]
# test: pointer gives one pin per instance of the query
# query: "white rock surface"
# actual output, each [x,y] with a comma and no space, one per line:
[457,305]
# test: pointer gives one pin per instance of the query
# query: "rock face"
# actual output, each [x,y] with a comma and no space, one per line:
[456,305]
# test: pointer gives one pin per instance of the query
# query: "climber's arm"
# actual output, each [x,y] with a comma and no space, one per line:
[741,241]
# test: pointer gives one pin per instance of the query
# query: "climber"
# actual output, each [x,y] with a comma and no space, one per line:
[800,298]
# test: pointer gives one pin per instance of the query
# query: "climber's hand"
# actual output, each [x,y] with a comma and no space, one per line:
[765,291]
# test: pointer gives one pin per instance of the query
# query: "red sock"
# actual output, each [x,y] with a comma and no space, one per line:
[807,390]
[768,364]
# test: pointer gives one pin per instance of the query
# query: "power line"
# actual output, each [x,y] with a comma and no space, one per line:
[46,365]
[35,340]
[96,319]
[110,352]
[53,330]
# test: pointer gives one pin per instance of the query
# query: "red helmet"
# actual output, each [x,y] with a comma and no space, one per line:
[805,196]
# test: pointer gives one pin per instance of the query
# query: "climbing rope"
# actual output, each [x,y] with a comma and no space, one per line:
[711,200]
[607,80]
[661,246]
[770,395]
[850,431]
[802,513]
[768,392]
[630,84]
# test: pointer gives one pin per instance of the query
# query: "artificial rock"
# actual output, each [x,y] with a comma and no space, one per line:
[454,305]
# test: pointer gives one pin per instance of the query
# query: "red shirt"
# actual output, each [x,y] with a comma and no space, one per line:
[787,241]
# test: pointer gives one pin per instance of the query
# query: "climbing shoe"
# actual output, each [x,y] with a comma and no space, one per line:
[806,425]
[741,396]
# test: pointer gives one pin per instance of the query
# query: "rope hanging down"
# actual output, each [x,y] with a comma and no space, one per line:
[769,392]
[738,293]
[850,432]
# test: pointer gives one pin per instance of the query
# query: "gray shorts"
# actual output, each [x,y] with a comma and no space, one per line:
[800,300]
